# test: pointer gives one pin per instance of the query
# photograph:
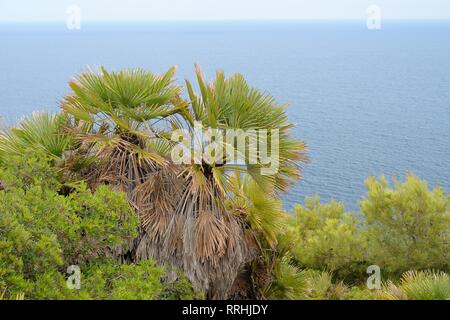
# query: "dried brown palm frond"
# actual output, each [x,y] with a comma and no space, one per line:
[210,236]
[156,198]
[123,161]
[196,235]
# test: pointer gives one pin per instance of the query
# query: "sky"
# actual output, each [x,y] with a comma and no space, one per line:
[150,10]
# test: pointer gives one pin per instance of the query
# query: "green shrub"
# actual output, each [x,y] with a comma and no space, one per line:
[179,288]
[359,292]
[104,279]
[407,227]
[110,280]
[402,228]
[46,226]
[325,237]
[43,231]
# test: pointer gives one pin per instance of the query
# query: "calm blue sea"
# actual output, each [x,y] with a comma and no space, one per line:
[367,102]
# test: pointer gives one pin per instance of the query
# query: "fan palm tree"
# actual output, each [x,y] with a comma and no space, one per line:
[205,217]
[212,242]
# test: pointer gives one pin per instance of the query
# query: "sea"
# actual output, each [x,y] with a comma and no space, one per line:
[367,102]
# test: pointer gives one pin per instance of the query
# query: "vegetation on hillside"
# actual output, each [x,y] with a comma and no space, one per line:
[404,230]
[95,186]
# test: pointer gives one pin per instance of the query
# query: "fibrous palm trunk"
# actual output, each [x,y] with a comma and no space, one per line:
[182,225]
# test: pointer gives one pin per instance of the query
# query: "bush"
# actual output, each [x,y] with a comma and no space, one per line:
[399,229]
[110,280]
[407,227]
[44,229]
[179,288]
[360,292]
[325,237]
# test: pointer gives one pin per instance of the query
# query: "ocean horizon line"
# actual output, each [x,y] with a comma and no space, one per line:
[319,20]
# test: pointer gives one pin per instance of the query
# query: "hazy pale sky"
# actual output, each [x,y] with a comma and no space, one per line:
[123,10]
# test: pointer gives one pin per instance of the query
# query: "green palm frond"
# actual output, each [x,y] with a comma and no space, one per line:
[263,212]
[128,97]
[118,115]
[236,191]
[289,283]
[42,131]
[419,285]
[319,284]
[230,103]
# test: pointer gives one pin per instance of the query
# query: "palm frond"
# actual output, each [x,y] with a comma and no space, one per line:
[230,103]
[42,131]
[419,285]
